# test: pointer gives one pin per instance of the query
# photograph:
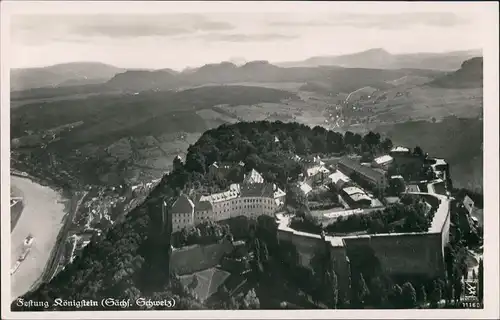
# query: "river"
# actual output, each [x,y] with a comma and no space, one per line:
[42,217]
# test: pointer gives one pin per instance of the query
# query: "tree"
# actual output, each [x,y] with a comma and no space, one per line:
[436,294]
[423,295]
[194,283]
[330,290]
[396,296]
[378,295]
[417,151]
[457,289]
[250,300]
[409,296]
[387,145]
[264,253]
[363,292]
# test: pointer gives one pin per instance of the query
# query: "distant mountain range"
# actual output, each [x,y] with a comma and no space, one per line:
[470,75]
[324,69]
[381,59]
[62,75]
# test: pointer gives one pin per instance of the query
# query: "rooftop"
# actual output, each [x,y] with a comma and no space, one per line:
[383,159]
[219,197]
[257,190]
[400,149]
[317,169]
[183,205]
[279,193]
[337,175]
[253,177]
[305,187]
[353,190]
[363,170]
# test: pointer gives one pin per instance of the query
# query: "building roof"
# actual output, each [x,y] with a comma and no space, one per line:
[317,169]
[383,159]
[219,197]
[400,149]
[338,176]
[352,190]
[279,193]
[360,197]
[368,172]
[305,187]
[183,205]
[235,187]
[356,194]
[391,200]
[253,177]
[257,190]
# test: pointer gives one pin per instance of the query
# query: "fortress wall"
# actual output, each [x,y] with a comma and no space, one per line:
[398,254]
[409,253]
[445,232]
[198,257]
[309,245]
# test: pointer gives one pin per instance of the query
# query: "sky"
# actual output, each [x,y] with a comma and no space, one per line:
[275,32]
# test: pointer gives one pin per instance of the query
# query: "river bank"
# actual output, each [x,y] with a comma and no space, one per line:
[42,217]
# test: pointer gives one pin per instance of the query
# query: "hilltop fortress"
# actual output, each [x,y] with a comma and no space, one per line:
[397,253]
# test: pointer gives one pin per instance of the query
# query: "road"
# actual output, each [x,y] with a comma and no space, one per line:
[349,95]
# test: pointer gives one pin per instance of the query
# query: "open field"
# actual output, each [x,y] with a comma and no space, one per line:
[42,217]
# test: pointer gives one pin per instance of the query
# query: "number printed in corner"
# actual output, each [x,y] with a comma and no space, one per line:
[471,305]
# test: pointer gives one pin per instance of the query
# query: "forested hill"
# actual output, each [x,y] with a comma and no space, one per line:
[132,260]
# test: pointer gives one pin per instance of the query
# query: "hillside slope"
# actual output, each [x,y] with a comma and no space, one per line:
[62,75]
[102,139]
[470,75]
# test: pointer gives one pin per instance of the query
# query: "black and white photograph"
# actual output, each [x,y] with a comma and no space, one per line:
[303,159]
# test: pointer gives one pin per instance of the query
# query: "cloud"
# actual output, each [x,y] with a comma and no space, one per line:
[242,37]
[380,21]
[151,25]
[76,28]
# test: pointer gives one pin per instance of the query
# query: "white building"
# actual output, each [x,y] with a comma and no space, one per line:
[251,198]
[339,179]
[182,213]
[382,162]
